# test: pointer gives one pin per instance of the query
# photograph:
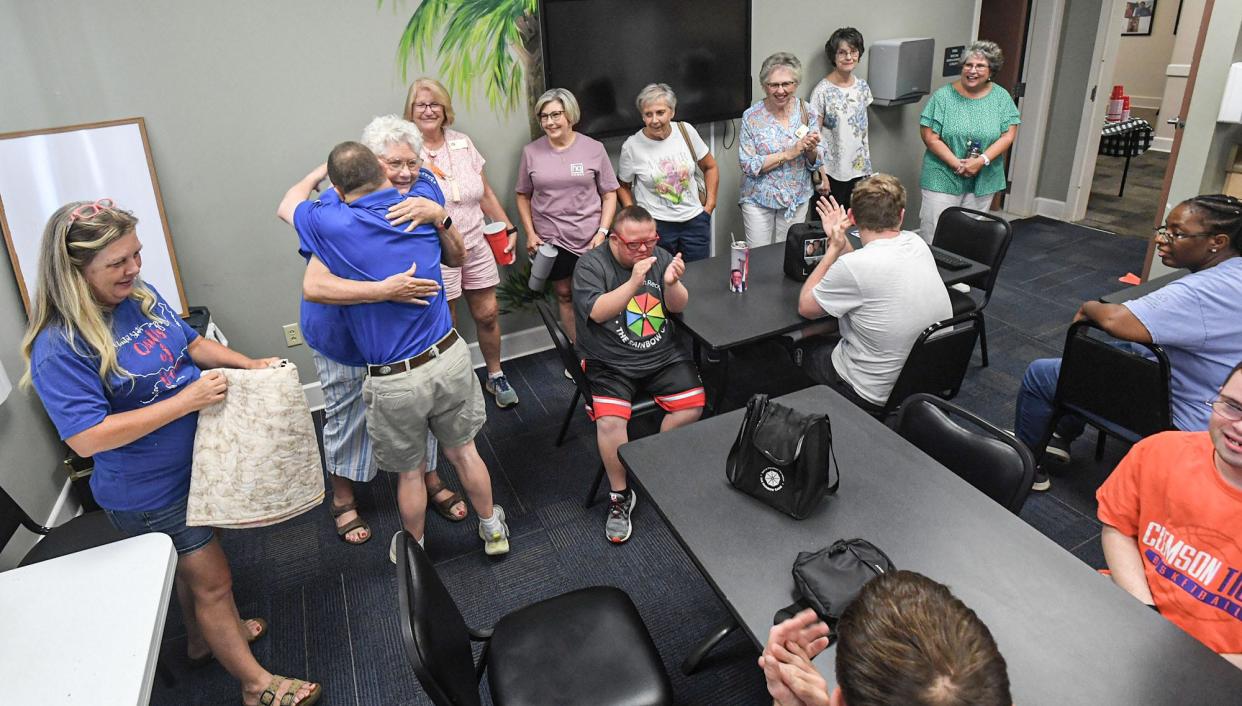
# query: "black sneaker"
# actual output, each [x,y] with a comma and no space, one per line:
[1041,482]
[618,526]
[1058,450]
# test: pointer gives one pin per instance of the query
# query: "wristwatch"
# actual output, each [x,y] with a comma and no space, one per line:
[984,157]
[446,223]
[510,230]
[602,230]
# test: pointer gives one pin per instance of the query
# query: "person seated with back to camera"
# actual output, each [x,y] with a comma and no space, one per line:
[623,293]
[419,375]
[1172,514]
[905,639]
[883,295]
[1197,320]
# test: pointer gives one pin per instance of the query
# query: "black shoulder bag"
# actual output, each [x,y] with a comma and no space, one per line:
[829,580]
[783,457]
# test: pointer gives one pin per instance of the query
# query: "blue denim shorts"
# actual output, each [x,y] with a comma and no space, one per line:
[170,520]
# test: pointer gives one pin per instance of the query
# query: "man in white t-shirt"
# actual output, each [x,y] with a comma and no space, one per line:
[883,295]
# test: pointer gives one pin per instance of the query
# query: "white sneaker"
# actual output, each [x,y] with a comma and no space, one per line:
[496,542]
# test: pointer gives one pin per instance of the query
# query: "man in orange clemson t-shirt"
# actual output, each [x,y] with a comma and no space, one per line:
[1172,512]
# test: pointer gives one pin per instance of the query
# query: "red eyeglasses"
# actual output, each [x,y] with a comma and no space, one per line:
[89,210]
[637,245]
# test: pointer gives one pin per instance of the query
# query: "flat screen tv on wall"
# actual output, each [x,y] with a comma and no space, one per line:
[605,51]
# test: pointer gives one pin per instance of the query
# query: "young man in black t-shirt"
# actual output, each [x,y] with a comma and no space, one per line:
[624,292]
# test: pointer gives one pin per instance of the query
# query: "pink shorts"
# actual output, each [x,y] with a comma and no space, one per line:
[479,272]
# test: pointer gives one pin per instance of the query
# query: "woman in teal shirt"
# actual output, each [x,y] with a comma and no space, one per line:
[968,126]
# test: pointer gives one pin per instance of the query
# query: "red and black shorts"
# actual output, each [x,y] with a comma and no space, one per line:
[674,387]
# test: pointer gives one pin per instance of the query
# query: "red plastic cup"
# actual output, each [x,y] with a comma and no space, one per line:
[498,240]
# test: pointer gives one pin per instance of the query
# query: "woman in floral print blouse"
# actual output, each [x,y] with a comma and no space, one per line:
[778,152]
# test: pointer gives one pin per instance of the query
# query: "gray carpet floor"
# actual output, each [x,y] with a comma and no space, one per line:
[333,608]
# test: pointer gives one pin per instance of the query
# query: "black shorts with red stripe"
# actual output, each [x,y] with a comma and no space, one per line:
[674,387]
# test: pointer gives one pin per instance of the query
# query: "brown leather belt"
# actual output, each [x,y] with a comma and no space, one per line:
[426,356]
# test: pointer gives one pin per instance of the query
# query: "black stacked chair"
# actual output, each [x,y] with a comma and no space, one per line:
[981,237]
[980,453]
[936,364]
[87,531]
[1118,391]
[642,405]
[588,646]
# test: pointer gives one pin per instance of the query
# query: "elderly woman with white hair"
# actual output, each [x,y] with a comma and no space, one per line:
[968,126]
[566,193]
[657,172]
[778,153]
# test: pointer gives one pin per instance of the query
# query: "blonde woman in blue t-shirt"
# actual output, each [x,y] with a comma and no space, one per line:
[121,376]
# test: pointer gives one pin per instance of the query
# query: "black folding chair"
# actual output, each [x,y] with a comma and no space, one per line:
[984,238]
[936,363]
[980,453]
[588,646]
[1117,391]
[640,407]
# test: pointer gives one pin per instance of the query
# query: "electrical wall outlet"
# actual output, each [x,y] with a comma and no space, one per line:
[293,335]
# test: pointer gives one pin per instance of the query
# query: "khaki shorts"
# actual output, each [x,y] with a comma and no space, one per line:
[442,395]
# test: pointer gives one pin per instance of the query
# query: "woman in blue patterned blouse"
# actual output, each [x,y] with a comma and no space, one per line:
[778,152]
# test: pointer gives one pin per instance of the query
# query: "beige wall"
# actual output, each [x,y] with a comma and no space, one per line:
[1141,61]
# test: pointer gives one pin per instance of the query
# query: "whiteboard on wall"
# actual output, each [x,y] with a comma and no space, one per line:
[42,170]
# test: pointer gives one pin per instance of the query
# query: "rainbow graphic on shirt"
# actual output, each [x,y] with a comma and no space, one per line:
[644,315]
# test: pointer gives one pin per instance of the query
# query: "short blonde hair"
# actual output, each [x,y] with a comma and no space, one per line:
[568,103]
[877,202]
[438,91]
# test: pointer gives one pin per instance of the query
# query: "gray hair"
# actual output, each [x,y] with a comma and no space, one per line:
[781,59]
[387,130]
[990,52]
[568,103]
[653,92]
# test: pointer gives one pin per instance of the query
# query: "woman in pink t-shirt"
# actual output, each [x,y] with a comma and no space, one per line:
[458,166]
[566,192]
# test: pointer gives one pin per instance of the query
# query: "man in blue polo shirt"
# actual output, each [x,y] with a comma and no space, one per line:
[419,371]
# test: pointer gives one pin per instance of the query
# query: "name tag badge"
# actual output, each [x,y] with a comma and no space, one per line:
[576,169]
[457,144]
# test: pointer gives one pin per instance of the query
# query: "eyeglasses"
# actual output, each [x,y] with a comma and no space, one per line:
[425,107]
[396,164]
[848,53]
[553,116]
[637,245]
[89,210]
[1225,409]
[1163,233]
[786,85]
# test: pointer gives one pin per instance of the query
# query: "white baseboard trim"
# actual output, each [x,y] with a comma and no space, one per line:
[513,345]
[1050,208]
[1162,144]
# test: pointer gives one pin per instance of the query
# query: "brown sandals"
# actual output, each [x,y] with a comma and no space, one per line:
[444,507]
[354,524]
[268,697]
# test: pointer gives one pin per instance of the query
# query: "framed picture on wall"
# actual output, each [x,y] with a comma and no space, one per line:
[1139,16]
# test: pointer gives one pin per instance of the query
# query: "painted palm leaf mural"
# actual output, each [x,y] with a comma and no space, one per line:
[492,44]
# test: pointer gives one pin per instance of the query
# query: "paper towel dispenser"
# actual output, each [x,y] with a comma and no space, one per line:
[900,70]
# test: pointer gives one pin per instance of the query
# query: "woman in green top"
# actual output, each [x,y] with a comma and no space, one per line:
[968,126]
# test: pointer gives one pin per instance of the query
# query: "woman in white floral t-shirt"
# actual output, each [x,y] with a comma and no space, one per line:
[841,100]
